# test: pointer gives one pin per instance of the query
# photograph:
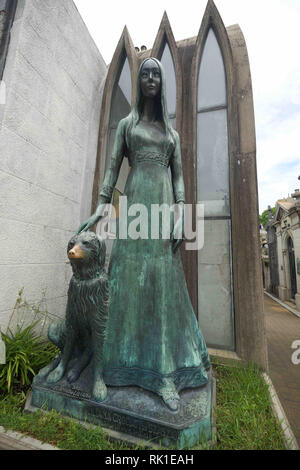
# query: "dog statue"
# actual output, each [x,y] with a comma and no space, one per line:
[82,332]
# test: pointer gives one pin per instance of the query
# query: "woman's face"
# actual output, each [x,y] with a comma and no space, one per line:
[150,79]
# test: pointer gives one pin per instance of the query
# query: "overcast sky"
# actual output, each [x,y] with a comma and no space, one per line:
[272,32]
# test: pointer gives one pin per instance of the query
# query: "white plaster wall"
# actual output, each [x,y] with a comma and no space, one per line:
[54,77]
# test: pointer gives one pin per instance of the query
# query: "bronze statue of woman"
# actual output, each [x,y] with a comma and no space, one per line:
[153,339]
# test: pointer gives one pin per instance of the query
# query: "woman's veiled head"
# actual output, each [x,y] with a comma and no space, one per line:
[150,78]
[161,110]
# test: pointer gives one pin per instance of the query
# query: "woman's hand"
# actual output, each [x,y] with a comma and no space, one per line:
[94,219]
[177,235]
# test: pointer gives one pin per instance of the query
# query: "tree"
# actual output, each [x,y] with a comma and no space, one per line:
[263,218]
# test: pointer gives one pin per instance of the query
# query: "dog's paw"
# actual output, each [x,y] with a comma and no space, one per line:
[55,375]
[73,375]
[45,370]
[99,390]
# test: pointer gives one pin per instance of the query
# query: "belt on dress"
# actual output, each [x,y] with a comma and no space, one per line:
[153,157]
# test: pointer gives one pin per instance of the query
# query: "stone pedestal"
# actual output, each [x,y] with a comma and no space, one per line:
[133,411]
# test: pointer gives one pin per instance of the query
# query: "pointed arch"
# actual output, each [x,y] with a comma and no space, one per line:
[243,199]
[212,84]
[285,236]
[212,22]
[165,49]
[212,29]
[125,55]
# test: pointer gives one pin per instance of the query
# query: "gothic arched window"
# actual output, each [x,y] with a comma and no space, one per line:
[168,65]
[120,108]
[165,49]
[215,289]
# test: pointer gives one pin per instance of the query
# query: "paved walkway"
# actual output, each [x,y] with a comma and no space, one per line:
[10,440]
[283,327]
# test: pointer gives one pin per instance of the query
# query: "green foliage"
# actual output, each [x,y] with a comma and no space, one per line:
[263,218]
[26,354]
[244,415]
[53,428]
[27,351]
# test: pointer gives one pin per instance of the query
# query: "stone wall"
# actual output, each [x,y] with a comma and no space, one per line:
[54,76]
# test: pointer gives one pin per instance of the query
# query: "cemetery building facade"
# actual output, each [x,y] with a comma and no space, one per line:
[284,250]
[58,123]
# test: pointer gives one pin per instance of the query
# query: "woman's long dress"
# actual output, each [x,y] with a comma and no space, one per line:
[153,338]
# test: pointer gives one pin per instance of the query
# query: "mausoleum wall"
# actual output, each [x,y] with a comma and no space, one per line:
[54,76]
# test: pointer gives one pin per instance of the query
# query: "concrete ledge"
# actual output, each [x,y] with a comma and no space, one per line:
[226,357]
[289,438]
[11,440]
[284,305]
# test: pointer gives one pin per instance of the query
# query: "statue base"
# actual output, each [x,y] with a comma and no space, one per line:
[134,411]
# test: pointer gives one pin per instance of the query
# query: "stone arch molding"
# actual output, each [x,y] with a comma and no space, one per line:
[125,49]
[287,234]
[212,20]
[165,37]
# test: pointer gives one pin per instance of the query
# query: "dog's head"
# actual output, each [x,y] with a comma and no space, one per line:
[87,248]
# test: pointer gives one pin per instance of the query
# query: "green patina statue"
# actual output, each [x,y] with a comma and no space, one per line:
[153,340]
[80,335]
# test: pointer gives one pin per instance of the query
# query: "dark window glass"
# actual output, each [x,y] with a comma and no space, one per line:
[212,162]
[215,285]
[120,108]
[168,65]
[211,79]
[215,291]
